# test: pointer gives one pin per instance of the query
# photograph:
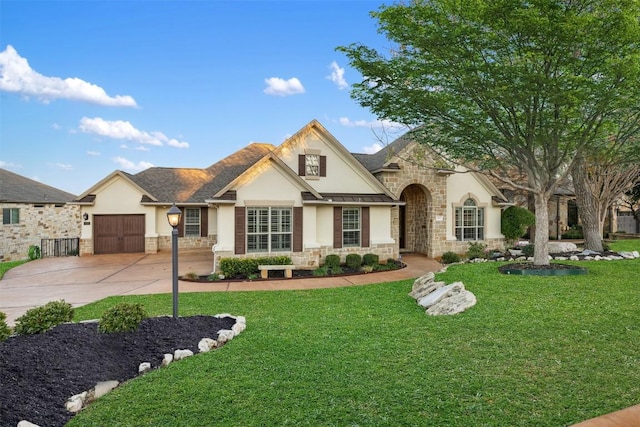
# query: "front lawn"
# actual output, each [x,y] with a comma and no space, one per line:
[534,351]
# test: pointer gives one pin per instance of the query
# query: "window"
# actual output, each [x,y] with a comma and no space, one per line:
[192,222]
[269,229]
[469,221]
[10,215]
[312,164]
[351,227]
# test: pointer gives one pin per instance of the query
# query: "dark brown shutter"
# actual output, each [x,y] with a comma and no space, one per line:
[297,229]
[365,229]
[323,165]
[181,223]
[239,232]
[337,227]
[302,165]
[204,222]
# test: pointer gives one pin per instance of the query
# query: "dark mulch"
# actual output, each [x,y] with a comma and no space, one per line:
[38,373]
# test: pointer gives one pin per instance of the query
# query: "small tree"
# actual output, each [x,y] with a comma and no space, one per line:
[515,221]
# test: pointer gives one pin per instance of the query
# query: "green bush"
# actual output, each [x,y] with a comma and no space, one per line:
[43,318]
[321,271]
[476,250]
[574,232]
[245,267]
[515,221]
[370,259]
[528,250]
[122,317]
[5,330]
[33,252]
[332,261]
[353,261]
[335,270]
[450,257]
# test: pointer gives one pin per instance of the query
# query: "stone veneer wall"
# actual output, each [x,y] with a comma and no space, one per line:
[426,231]
[164,243]
[43,222]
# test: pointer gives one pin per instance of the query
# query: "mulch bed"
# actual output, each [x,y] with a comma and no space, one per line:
[38,373]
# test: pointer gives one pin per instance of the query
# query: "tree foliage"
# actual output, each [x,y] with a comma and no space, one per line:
[515,221]
[498,85]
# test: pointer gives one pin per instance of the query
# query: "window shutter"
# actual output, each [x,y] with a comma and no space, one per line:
[239,232]
[204,222]
[365,227]
[337,227]
[181,223]
[302,165]
[297,229]
[323,165]
[6,216]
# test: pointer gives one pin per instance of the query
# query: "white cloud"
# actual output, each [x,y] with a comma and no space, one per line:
[56,126]
[281,87]
[337,76]
[9,165]
[64,166]
[93,153]
[345,121]
[142,148]
[371,149]
[17,76]
[119,129]
[131,166]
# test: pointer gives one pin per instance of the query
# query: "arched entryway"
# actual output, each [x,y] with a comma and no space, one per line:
[415,219]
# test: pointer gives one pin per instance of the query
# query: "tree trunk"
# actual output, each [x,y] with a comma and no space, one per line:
[541,252]
[589,208]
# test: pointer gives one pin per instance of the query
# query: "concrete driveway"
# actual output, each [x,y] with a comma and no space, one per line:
[81,280]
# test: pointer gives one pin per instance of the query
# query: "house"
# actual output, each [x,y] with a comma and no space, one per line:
[306,198]
[33,212]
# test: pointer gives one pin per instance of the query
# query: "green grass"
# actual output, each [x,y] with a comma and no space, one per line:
[534,351]
[6,266]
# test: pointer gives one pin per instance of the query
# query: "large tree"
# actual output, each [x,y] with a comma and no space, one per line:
[602,176]
[504,84]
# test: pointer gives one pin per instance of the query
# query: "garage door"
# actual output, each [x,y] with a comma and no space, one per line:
[116,234]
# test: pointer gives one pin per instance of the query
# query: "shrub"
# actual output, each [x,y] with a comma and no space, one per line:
[574,232]
[191,276]
[245,267]
[515,221]
[213,277]
[370,259]
[321,271]
[353,261]
[367,268]
[33,252]
[335,270]
[450,257]
[5,330]
[122,317]
[528,250]
[476,250]
[332,261]
[41,319]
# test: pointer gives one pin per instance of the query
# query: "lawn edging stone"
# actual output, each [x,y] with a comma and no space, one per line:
[438,298]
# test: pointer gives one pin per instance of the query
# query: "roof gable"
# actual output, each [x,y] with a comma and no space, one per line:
[19,189]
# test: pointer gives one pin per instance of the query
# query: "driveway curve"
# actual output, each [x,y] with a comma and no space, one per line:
[85,279]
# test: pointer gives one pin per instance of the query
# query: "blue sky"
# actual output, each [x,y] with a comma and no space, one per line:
[88,87]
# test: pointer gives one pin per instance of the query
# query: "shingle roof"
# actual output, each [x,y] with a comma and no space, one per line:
[348,198]
[190,185]
[19,189]
[376,161]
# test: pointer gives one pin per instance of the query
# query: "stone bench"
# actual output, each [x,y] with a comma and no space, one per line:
[288,270]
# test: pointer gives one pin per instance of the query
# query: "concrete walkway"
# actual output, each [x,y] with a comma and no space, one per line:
[81,280]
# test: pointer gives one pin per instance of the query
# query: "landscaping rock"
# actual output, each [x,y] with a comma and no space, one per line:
[440,293]
[144,367]
[422,280]
[104,387]
[453,304]
[207,344]
[25,423]
[182,354]
[168,358]
[561,247]
[426,289]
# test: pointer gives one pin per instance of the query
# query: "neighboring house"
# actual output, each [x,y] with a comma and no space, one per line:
[307,198]
[32,211]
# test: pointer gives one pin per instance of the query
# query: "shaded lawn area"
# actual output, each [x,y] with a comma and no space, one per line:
[534,351]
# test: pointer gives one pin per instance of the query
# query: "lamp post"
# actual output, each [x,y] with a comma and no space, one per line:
[173,216]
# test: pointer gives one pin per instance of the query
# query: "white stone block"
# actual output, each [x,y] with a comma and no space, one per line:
[144,367]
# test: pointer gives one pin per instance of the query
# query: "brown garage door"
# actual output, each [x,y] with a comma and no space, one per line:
[115,234]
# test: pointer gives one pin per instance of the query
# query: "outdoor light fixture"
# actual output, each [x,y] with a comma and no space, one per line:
[173,216]
[85,216]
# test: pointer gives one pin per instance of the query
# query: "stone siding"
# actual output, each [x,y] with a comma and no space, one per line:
[36,222]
